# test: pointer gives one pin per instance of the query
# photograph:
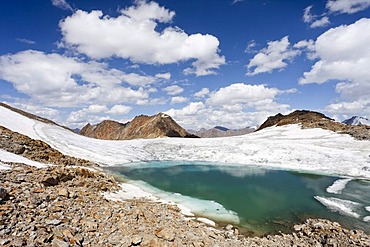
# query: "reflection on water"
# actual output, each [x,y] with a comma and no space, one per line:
[266,200]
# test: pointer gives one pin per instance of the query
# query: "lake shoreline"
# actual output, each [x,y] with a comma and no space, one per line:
[227,195]
[65,206]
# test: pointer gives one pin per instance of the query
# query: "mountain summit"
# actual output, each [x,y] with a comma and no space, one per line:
[356,120]
[303,117]
[142,126]
[311,119]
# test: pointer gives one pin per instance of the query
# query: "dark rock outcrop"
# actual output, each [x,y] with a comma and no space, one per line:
[160,125]
[296,117]
[311,119]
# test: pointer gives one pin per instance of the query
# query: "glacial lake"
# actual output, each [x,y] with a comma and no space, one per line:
[263,200]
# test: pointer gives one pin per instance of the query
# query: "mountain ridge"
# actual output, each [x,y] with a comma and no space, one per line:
[141,127]
[312,119]
[357,120]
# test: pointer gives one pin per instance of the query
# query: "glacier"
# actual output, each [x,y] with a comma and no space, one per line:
[284,147]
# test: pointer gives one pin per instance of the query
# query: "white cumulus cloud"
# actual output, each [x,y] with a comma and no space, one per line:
[165,76]
[119,109]
[173,90]
[57,80]
[275,56]
[240,93]
[178,99]
[343,55]
[314,20]
[202,93]
[62,4]
[347,6]
[133,35]
[324,21]
[235,106]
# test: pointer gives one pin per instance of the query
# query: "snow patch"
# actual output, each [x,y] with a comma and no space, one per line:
[206,221]
[4,166]
[340,206]
[10,157]
[338,186]
[129,192]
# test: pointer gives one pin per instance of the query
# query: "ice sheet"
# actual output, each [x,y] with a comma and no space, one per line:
[285,147]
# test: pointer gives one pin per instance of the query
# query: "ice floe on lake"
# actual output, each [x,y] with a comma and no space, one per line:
[338,186]
[344,207]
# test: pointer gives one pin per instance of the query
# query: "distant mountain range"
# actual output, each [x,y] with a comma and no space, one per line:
[356,120]
[219,131]
[160,125]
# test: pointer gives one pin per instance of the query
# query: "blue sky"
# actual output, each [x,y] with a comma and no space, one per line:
[204,62]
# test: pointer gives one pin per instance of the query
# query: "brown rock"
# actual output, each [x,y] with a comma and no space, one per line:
[166,234]
[136,240]
[142,126]
[50,181]
[59,243]
[63,192]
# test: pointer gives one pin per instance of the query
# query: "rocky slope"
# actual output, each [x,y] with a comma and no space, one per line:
[36,150]
[218,131]
[311,119]
[142,126]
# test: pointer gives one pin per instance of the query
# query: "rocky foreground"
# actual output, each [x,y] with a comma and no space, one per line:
[65,206]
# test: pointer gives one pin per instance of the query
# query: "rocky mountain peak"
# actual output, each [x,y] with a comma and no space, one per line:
[357,120]
[142,126]
[311,119]
[296,117]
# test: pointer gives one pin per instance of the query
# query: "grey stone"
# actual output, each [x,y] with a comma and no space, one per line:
[59,243]
[136,240]
[54,222]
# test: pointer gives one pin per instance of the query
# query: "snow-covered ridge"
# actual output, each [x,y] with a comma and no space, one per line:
[356,120]
[285,147]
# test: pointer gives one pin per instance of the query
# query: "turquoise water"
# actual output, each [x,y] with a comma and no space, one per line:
[265,200]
